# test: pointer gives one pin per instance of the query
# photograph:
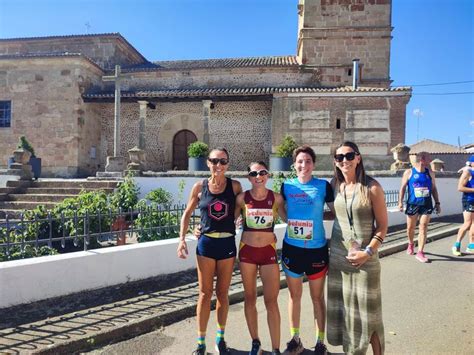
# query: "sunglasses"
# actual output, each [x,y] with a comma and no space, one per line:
[254,173]
[215,161]
[349,157]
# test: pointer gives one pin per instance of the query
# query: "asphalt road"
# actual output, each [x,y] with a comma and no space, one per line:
[427,309]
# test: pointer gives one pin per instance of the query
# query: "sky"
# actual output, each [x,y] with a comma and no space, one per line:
[433,43]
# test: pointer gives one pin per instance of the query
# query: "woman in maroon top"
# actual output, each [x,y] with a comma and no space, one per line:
[260,208]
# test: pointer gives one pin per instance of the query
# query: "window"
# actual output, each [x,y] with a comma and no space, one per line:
[5,113]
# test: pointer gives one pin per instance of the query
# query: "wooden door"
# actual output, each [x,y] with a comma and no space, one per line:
[181,141]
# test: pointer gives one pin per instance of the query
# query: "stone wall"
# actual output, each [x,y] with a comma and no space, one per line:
[333,32]
[375,123]
[105,50]
[242,127]
[47,107]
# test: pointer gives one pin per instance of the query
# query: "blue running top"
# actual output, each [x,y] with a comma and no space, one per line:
[469,196]
[419,188]
[305,207]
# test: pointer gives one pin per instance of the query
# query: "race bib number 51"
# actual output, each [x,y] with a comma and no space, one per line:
[300,229]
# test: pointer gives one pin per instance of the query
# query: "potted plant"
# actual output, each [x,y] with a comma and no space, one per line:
[197,155]
[34,161]
[283,159]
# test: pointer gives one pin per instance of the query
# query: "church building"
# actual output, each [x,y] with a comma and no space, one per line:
[52,90]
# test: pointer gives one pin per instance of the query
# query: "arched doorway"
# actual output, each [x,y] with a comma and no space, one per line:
[181,141]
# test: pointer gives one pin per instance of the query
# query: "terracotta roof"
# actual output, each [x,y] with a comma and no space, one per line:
[275,61]
[114,34]
[258,91]
[432,146]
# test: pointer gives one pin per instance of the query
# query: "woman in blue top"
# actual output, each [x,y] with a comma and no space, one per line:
[466,186]
[305,249]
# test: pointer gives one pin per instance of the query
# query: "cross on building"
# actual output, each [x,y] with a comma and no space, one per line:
[116,78]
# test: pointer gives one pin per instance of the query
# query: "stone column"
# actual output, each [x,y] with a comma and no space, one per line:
[206,114]
[142,124]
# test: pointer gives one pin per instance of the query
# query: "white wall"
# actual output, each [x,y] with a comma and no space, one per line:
[5,178]
[23,281]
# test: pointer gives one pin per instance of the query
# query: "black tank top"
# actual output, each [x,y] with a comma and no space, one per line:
[217,210]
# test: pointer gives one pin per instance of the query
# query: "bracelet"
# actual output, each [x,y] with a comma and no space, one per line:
[369,250]
[437,203]
[379,239]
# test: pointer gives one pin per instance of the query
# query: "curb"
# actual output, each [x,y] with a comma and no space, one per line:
[175,314]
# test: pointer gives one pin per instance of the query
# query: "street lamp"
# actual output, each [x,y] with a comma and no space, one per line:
[418,113]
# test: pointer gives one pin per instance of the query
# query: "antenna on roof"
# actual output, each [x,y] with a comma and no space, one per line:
[88,26]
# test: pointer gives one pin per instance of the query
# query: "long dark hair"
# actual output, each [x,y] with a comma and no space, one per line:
[361,178]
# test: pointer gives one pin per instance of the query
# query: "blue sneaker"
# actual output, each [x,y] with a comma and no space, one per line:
[256,347]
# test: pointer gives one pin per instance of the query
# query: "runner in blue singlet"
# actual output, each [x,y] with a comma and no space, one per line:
[421,184]
[466,186]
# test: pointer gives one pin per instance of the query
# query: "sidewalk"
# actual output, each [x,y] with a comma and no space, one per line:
[91,319]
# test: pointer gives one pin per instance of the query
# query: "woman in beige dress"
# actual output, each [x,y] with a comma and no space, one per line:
[354,309]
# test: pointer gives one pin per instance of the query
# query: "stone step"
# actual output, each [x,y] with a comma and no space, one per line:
[62,190]
[64,184]
[13,215]
[24,205]
[39,197]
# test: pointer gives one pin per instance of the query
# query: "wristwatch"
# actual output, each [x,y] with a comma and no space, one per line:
[369,250]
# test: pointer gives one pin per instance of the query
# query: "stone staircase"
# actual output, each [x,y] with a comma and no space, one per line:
[18,196]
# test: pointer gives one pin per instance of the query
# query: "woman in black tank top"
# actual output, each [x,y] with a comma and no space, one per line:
[216,248]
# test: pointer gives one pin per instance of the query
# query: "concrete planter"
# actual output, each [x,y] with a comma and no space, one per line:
[280,164]
[197,164]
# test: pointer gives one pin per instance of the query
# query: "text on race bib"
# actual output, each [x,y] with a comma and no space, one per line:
[422,192]
[300,229]
[259,218]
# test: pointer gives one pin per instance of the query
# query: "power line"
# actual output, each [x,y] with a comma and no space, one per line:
[444,93]
[439,84]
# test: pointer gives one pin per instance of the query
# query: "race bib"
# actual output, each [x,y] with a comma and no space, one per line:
[300,229]
[422,192]
[259,218]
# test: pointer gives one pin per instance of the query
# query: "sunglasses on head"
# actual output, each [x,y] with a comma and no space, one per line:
[215,161]
[254,173]
[349,157]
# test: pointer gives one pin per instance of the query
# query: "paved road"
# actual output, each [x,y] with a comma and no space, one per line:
[428,309]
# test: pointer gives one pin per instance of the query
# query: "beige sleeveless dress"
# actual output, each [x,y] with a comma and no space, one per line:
[354,307]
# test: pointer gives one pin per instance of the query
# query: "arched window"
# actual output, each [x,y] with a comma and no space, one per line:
[181,141]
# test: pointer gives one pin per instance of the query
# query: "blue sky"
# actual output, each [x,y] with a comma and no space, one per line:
[433,42]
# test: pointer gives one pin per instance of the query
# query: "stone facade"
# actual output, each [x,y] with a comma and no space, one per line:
[47,107]
[62,105]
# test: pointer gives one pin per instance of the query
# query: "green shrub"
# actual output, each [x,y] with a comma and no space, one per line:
[126,195]
[151,223]
[24,144]
[198,150]
[160,196]
[21,251]
[286,147]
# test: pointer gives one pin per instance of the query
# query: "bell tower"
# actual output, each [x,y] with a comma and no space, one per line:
[331,33]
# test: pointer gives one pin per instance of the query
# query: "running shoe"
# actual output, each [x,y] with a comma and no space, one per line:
[320,349]
[411,249]
[201,350]
[222,348]
[456,251]
[470,249]
[420,256]
[276,352]
[294,346]
[256,347]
